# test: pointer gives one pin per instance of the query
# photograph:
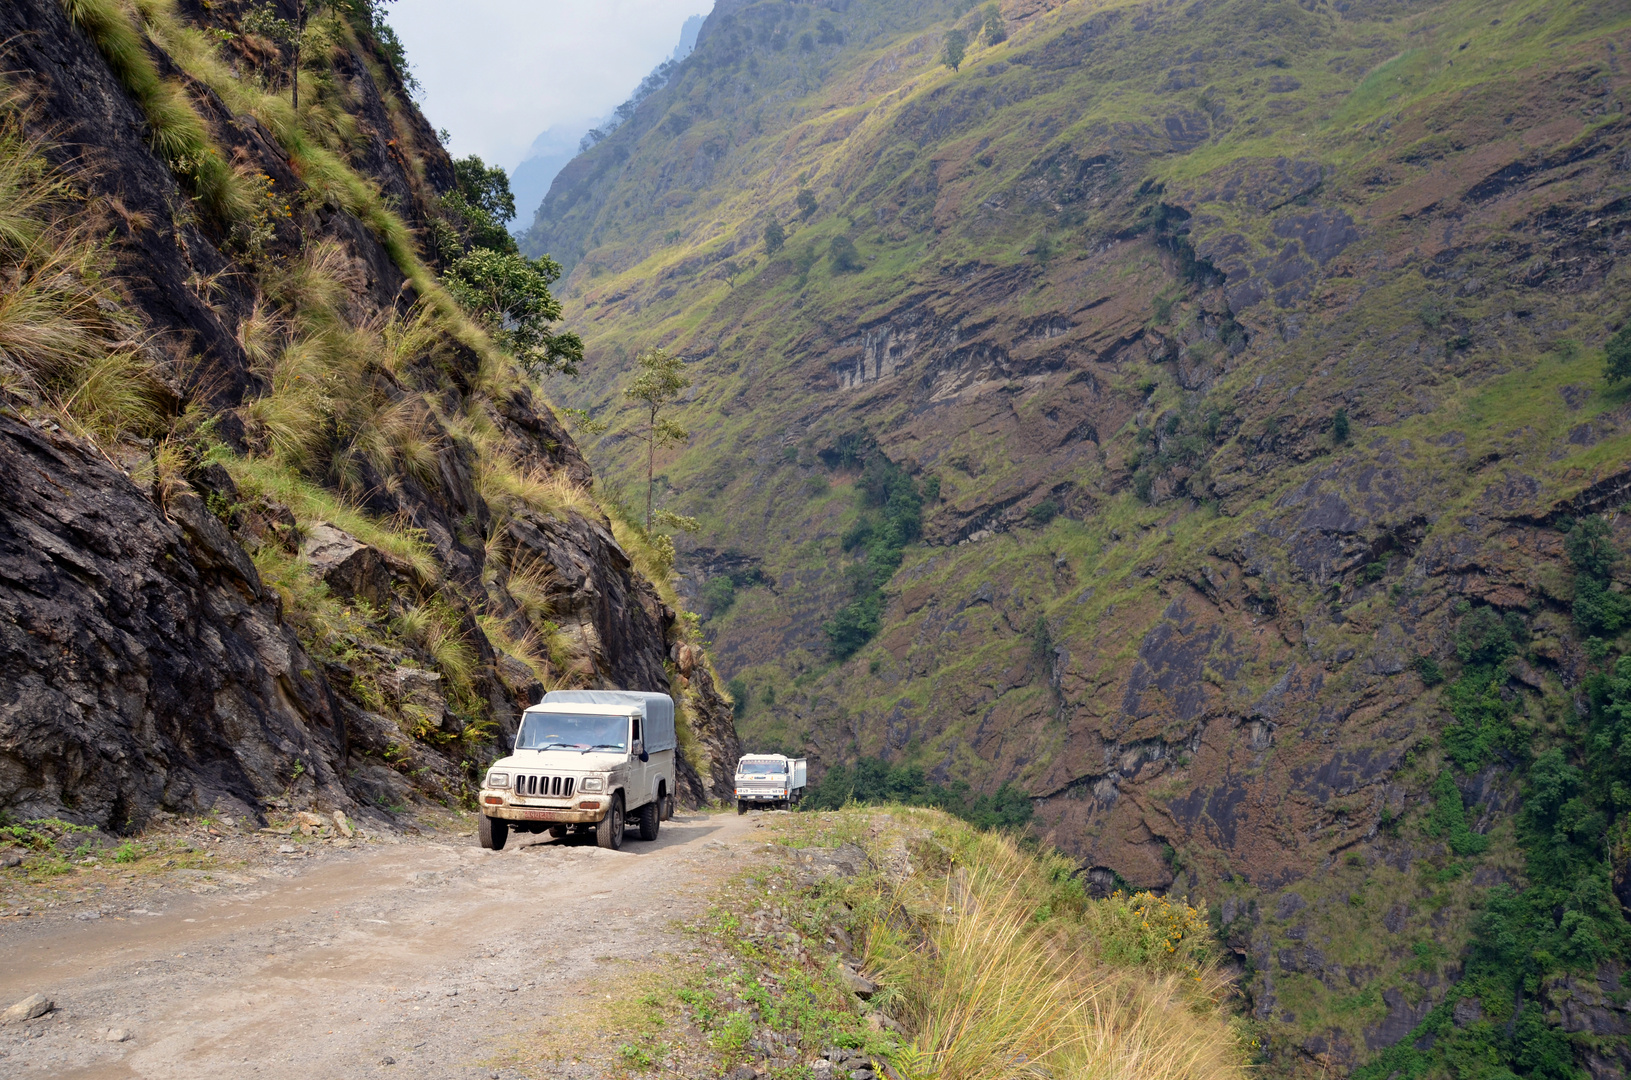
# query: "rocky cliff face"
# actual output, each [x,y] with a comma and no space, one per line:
[192,617]
[1248,361]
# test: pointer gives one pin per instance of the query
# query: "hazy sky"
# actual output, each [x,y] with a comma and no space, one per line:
[498,72]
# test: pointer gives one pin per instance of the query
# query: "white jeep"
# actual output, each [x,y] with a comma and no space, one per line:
[584,759]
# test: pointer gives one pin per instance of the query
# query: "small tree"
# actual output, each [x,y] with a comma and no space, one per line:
[806,202]
[956,49]
[510,294]
[991,25]
[775,237]
[266,22]
[1617,355]
[657,384]
[1339,426]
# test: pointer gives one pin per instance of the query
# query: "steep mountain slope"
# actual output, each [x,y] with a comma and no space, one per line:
[1179,412]
[284,525]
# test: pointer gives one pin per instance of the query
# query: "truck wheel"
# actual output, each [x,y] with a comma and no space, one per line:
[741,807]
[557,831]
[493,832]
[609,831]
[649,818]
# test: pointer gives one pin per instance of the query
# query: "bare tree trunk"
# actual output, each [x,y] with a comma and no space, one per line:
[651,463]
[299,32]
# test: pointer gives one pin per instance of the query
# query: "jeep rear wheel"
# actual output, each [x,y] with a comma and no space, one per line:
[741,806]
[649,819]
[557,831]
[493,832]
[609,831]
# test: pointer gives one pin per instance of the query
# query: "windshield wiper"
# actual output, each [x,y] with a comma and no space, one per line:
[553,745]
[606,746]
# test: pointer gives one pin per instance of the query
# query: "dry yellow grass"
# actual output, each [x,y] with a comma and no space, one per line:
[998,984]
[66,349]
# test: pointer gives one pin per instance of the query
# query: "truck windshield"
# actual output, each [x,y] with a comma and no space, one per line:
[748,765]
[571,731]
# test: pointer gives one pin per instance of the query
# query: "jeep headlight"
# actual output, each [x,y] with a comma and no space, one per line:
[592,783]
[498,779]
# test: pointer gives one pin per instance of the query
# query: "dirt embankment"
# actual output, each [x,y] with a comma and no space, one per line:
[403,956]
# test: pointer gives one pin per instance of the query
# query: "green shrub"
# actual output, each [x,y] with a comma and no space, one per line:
[1449,819]
[1617,355]
[1428,669]
[1482,638]
[719,594]
[845,258]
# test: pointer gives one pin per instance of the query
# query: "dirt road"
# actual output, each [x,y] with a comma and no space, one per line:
[426,959]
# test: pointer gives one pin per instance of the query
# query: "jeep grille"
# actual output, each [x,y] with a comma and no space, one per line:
[559,787]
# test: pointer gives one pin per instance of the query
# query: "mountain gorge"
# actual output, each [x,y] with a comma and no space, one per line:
[1200,419]
[286,525]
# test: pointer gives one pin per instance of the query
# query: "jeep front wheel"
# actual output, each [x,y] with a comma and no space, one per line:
[609,831]
[493,832]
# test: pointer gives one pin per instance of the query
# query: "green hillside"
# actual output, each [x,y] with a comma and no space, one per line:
[1192,416]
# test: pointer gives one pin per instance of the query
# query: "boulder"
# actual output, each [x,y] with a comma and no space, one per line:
[31,1006]
[350,567]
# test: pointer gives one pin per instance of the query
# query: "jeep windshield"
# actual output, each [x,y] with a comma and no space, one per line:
[573,731]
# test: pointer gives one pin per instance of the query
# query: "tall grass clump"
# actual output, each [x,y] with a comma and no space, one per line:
[1005,968]
[66,348]
[176,130]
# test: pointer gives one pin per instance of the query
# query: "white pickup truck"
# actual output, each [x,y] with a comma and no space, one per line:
[768,780]
[584,759]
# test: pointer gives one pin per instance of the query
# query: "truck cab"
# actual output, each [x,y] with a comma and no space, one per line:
[769,780]
[584,759]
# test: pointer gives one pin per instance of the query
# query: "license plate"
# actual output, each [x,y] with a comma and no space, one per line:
[543,815]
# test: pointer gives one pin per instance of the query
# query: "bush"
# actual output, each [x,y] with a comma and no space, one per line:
[719,594]
[738,690]
[845,258]
[1617,355]
[1449,818]
[1483,638]
[1043,512]
[1431,674]
[1590,548]
[1339,426]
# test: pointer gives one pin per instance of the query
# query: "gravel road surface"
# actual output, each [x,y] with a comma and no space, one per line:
[426,958]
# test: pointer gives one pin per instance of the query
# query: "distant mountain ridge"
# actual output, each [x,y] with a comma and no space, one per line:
[560,143]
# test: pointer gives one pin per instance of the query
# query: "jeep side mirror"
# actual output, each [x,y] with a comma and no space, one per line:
[643,755]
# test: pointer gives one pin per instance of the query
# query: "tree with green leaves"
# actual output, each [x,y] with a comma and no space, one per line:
[806,201]
[510,293]
[658,382]
[992,28]
[478,208]
[775,237]
[956,49]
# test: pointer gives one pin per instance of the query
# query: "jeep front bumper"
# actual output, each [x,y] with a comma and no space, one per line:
[497,804]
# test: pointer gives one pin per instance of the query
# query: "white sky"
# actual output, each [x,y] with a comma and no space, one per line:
[498,72]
